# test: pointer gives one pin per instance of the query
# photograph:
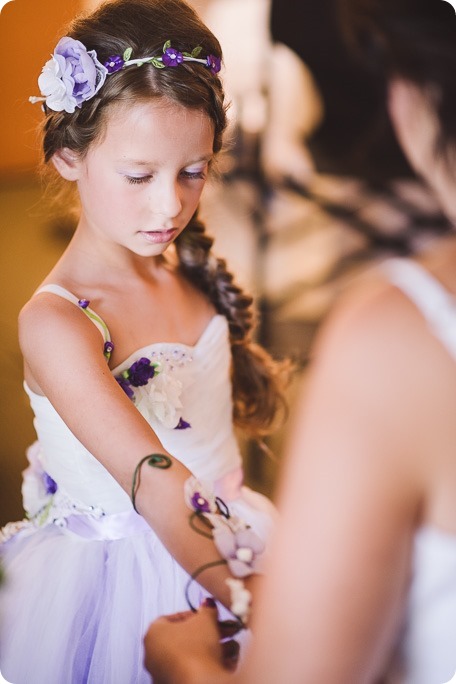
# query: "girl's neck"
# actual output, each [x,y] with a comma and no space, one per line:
[95,263]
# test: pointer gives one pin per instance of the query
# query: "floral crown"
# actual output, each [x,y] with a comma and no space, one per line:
[74,74]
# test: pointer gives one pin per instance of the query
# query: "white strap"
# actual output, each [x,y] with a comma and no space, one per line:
[94,317]
[435,303]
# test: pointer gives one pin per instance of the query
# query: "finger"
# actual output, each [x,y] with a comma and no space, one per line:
[229,628]
[230,654]
[178,617]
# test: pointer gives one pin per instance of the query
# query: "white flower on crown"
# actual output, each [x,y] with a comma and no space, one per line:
[56,86]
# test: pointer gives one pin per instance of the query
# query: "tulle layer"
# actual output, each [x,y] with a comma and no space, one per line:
[74,609]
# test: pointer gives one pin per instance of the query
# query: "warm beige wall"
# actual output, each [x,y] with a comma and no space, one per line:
[29,29]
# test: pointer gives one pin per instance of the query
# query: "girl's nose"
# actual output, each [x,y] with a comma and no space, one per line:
[168,199]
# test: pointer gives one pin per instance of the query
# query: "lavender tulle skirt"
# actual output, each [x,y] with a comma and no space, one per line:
[78,599]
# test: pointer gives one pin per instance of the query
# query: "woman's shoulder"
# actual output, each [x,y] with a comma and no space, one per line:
[370,312]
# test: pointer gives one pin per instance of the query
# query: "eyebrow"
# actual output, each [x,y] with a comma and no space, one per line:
[140,162]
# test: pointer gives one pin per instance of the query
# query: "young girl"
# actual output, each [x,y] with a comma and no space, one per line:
[137,344]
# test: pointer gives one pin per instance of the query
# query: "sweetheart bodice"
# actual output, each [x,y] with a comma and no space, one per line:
[191,387]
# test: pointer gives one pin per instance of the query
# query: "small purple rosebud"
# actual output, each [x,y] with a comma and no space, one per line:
[200,504]
[172,57]
[123,382]
[108,348]
[182,425]
[214,63]
[49,484]
[114,63]
[141,372]
[83,303]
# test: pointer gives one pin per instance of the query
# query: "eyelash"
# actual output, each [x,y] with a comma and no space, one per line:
[191,175]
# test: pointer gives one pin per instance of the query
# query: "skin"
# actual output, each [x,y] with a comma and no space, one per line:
[145,174]
[364,470]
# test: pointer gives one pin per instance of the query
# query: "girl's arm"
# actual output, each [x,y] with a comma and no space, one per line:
[63,353]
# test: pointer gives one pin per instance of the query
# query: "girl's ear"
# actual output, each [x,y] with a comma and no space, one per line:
[67,163]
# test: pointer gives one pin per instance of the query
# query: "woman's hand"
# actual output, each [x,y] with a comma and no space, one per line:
[187,648]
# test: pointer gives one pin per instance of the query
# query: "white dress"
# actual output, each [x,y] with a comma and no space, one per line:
[87,575]
[426,653]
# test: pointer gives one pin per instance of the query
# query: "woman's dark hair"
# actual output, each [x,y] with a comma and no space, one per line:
[411,39]
[145,26]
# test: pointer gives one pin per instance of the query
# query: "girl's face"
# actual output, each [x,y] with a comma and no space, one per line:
[141,183]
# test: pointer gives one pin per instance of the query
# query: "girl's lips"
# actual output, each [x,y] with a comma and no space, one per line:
[157,237]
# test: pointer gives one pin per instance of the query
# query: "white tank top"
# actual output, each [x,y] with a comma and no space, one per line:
[427,649]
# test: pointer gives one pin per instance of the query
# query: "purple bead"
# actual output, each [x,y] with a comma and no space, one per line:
[83,303]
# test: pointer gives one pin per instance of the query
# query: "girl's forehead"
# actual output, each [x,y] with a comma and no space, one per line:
[161,110]
[157,123]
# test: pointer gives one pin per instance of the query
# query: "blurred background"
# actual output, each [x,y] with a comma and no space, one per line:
[312,187]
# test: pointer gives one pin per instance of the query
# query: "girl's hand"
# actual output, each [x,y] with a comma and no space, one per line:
[186,647]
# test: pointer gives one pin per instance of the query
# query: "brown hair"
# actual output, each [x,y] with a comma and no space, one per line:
[144,26]
[414,40]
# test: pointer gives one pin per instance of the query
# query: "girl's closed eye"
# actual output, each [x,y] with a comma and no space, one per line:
[194,174]
[138,180]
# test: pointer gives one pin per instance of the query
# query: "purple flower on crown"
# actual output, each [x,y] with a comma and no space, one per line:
[214,63]
[114,63]
[172,57]
[72,76]
[140,372]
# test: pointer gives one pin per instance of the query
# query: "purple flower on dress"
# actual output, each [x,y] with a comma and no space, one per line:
[140,372]
[182,425]
[240,547]
[114,63]
[214,63]
[172,57]
[83,303]
[123,382]
[49,484]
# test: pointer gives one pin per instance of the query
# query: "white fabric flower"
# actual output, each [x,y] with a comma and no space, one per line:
[56,85]
[160,399]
